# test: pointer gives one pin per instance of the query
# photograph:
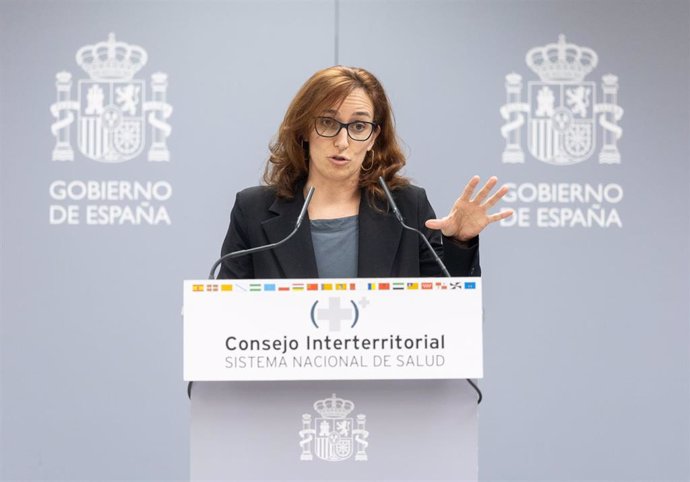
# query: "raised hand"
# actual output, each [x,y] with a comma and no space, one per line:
[469,216]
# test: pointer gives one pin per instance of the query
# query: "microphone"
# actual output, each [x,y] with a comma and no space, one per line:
[244,252]
[398,215]
[396,211]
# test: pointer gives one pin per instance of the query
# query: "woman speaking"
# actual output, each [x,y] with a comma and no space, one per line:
[338,137]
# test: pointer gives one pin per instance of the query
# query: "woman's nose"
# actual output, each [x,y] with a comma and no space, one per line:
[341,139]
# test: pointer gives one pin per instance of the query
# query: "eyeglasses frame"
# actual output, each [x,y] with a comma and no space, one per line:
[346,126]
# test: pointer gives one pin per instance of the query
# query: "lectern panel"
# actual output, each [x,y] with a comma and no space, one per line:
[334,430]
[339,329]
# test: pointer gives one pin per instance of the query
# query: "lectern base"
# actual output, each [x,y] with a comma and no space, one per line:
[334,430]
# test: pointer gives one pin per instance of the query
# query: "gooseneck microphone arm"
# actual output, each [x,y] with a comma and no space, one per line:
[258,249]
[396,211]
[398,215]
[244,252]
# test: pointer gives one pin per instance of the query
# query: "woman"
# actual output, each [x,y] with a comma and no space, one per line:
[338,136]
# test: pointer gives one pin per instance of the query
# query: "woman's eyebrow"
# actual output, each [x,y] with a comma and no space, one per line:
[360,112]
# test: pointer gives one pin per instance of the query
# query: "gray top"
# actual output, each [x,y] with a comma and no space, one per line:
[336,246]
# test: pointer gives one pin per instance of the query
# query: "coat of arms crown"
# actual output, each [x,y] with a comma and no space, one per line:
[561,62]
[334,407]
[111,60]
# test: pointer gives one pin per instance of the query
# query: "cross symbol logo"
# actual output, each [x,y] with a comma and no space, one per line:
[334,314]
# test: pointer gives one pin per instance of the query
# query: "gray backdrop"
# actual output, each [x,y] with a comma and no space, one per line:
[587,328]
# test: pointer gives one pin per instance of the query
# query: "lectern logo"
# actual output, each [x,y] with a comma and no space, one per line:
[111,106]
[334,436]
[335,313]
[562,108]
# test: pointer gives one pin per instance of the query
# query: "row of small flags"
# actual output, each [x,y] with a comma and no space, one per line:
[396,285]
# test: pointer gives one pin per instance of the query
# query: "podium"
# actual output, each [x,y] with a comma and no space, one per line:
[353,379]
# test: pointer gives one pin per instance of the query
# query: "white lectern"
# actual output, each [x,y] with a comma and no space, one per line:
[357,379]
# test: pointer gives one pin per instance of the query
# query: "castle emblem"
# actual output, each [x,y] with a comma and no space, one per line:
[111,106]
[562,108]
[334,436]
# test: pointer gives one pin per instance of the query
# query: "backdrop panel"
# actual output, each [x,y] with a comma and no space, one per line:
[587,321]
[91,330]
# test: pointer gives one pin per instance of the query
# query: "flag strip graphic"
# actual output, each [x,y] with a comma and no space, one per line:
[370,286]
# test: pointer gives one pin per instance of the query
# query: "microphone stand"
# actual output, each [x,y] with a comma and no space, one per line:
[244,252]
[438,260]
[266,247]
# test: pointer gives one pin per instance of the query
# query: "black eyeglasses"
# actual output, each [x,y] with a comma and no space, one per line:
[356,130]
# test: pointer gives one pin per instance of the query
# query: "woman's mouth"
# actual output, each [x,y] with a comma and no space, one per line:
[339,159]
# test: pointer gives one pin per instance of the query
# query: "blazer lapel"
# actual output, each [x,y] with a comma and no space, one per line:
[295,257]
[379,237]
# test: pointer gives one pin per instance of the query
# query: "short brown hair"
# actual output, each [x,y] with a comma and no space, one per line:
[288,162]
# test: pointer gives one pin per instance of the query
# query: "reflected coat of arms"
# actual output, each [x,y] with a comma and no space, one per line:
[333,436]
[111,106]
[562,108]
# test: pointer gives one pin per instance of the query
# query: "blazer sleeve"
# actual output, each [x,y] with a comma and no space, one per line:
[461,258]
[236,239]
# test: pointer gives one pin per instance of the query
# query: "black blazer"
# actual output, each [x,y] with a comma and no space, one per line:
[385,248]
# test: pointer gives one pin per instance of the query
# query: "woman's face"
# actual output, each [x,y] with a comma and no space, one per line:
[339,159]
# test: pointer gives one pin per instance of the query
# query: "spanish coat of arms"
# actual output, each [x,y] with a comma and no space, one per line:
[562,108]
[111,106]
[333,436]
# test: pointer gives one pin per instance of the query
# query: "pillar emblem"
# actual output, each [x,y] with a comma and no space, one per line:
[334,436]
[112,108]
[561,113]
